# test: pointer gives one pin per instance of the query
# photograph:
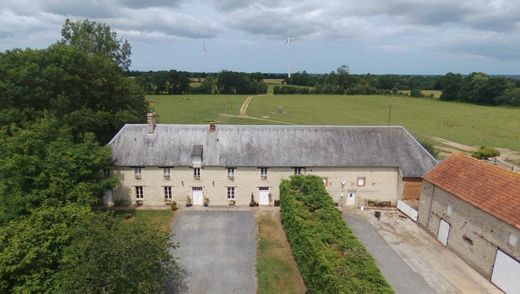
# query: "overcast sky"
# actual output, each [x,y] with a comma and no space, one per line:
[370,36]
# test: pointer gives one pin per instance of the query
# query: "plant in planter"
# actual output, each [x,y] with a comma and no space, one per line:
[139,202]
[253,203]
[173,206]
[188,201]
[232,202]
[206,202]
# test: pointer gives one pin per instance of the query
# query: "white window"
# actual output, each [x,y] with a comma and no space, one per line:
[167,193]
[231,172]
[231,193]
[196,173]
[137,172]
[263,173]
[139,192]
[166,173]
[361,181]
[298,170]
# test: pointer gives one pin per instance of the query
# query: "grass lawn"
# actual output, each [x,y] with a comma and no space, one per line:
[436,93]
[460,122]
[194,109]
[159,219]
[276,269]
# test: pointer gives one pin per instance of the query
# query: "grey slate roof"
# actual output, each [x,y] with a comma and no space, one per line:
[272,146]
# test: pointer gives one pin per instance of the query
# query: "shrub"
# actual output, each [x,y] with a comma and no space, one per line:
[330,258]
[428,145]
[485,152]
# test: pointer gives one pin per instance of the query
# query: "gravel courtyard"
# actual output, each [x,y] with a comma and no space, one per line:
[217,250]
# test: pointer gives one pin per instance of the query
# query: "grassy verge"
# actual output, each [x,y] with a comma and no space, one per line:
[158,219]
[276,269]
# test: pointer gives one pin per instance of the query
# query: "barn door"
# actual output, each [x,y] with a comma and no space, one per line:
[506,273]
[351,199]
[444,232]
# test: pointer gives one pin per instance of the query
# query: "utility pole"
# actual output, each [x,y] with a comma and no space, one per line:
[389,115]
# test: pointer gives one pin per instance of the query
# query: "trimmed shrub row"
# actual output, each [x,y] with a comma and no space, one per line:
[330,258]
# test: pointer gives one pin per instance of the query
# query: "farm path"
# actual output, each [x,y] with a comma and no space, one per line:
[243,112]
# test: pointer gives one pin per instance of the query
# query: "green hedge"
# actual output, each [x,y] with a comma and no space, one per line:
[330,258]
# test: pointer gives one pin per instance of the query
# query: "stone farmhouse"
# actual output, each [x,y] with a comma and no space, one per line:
[473,208]
[231,164]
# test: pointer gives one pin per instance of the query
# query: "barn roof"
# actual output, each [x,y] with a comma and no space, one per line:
[484,185]
[272,146]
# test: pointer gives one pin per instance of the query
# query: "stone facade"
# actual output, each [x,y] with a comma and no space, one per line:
[474,234]
[380,184]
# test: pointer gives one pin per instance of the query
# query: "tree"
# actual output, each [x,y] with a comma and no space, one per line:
[86,91]
[451,86]
[43,165]
[97,38]
[73,249]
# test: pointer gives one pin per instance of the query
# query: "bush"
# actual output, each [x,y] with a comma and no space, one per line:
[329,256]
[416,93]
[428,145]
[485,152]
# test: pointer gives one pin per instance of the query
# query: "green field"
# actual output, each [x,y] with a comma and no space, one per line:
[460,122]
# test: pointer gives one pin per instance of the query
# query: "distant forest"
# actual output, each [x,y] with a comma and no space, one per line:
[478,88]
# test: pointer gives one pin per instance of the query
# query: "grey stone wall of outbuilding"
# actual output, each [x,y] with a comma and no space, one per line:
[474,236]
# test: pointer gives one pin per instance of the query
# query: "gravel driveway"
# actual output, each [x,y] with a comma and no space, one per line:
[218,250]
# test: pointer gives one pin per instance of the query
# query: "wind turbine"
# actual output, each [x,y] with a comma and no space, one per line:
[288,42]
[205,52]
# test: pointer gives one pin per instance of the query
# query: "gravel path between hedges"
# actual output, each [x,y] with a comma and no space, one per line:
[218,250]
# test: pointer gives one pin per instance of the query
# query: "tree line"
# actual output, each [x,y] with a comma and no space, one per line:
[178,82]
[59,106]
[480,88]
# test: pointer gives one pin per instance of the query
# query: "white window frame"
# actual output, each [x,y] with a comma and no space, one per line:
[231,172]
[167,173]
[139,192]
[299,170]
[138,173]
[263,173]
[196,172]
[168,193]
[361,181]
[231,192]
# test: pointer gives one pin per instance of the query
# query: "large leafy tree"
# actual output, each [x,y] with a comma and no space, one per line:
[86,91]
[71,249]
[42,164]
[98,39]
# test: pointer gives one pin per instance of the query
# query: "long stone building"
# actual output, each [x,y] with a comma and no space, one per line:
[224,164]
[473,208]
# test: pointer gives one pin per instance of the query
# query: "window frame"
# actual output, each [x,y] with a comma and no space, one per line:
[196,173]
[298,170]
[138,173]
[364,181]
[168,194]
[263,173]
[231,171]
[167,173]
[231,193]
[139,192]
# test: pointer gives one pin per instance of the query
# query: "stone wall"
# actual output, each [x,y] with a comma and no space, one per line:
[381,184]
[474,234]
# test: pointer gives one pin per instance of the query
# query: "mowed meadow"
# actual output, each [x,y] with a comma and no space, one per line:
[425,117]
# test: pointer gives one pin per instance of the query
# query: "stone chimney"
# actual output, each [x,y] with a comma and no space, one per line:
[212,126]
[152,122]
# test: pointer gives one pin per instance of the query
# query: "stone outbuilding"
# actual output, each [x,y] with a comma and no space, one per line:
[473,208]
[230,164]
